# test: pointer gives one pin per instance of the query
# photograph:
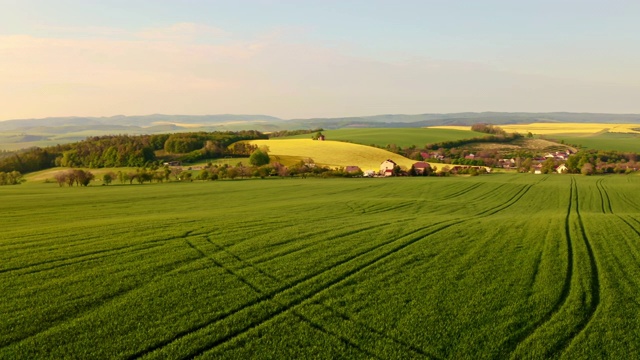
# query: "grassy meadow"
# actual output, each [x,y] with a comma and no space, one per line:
[602,141]
[403,137]
[559,128]
[330,153]
[620,137]
[496,266]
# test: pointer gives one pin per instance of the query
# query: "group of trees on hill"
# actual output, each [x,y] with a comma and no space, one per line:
[10,178]
[76,176]
[590,162]
[301,169]
[488,129]
[284,133]
[504,138]
[129,151]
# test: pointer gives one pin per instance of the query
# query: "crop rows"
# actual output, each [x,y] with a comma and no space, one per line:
[489,267]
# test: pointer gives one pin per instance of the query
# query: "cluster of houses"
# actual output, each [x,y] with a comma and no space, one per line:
[560,156]
[420,168]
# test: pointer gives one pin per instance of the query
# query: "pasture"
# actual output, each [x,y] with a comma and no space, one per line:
[330,153]
[496,266]
[620,137]
[560,128]
[602,141]
[404,137]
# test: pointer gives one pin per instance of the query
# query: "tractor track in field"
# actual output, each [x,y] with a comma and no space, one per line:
[307,245]
[227,269]
[488,194]
[79,259]
[312,323]
[463,191]
[366,327]
[339,314]
[511,201]
[341,338]
[633,249]
[595,280]
[604,198]
[430,230]
[594,290]
[566,285]
[178,265]
[239,259]
[294,239]
[309,278]
[328,284]
[103,301]
[118,250]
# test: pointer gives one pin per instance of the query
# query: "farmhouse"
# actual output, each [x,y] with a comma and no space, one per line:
[352,169]
[420,167]
[537,169]
[387,165]
[562,169]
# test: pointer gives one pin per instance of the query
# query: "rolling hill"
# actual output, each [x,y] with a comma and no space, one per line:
[330,153]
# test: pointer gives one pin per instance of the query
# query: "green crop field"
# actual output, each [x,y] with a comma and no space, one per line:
[604,141]
[404,137]
[496,266]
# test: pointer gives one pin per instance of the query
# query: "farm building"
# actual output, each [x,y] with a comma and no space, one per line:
[387,165]
[352,169]
[562,169]
[420,167]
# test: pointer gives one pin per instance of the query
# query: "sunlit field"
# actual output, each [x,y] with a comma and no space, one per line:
[560,128]
[332,153]
[403,137]
[495,266]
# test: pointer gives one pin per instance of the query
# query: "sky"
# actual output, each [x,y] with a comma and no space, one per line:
[302,59]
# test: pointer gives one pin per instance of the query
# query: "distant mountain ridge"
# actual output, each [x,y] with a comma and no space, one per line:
[158,123]
[122,120]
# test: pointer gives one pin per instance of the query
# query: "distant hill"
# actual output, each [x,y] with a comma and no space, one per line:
[498,118]
[330,153]
[17,134]
[119,121]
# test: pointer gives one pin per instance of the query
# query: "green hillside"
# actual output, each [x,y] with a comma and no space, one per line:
[602,141]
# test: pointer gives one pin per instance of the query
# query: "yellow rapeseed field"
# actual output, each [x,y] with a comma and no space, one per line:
[331,153]
[560,128]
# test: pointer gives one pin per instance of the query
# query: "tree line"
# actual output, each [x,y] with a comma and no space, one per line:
[129,151]
[504,138]
[284,133]
[488,129]
[589,162]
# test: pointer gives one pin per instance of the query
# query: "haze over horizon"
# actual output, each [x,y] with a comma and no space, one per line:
[317,58]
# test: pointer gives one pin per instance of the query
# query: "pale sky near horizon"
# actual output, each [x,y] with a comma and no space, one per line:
[300,59]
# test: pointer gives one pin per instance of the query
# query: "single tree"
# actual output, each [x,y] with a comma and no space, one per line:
[259,158]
